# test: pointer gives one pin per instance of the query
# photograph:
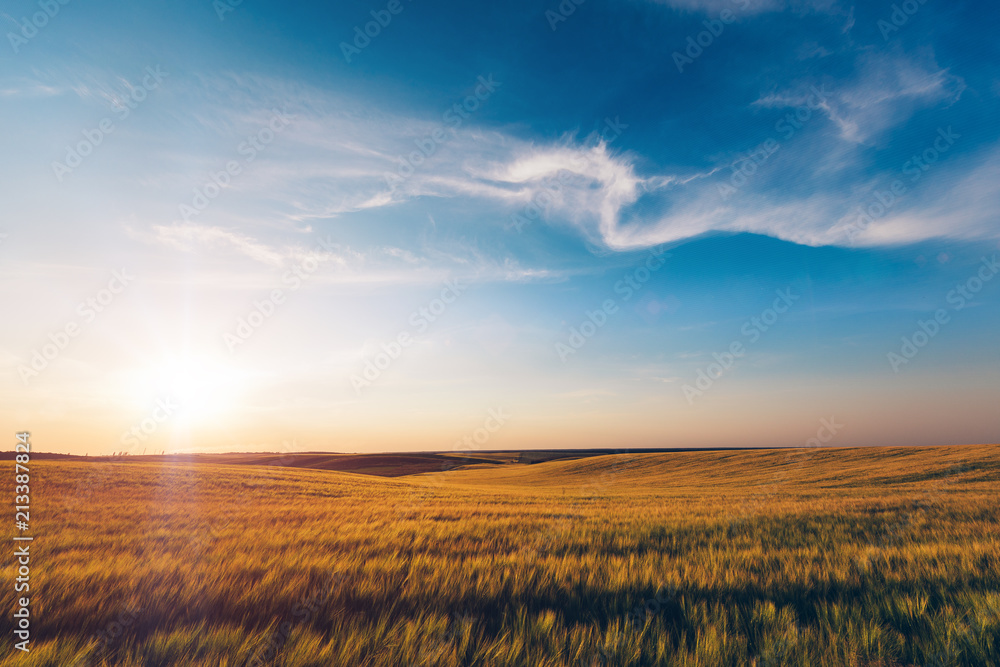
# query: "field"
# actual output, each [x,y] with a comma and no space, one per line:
[794,557]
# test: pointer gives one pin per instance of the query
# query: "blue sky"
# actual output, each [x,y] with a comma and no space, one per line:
[284,197]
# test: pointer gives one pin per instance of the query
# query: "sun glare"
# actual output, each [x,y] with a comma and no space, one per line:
[199,389]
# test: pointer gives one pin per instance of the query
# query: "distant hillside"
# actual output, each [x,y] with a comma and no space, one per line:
[826,468]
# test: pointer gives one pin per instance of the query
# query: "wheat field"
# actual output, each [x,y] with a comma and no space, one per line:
[832,557]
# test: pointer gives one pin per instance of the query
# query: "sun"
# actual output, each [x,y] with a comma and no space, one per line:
[202,389]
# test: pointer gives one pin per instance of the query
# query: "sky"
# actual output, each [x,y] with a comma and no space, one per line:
[427,225]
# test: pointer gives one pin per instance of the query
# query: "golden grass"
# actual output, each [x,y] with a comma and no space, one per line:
[824,557]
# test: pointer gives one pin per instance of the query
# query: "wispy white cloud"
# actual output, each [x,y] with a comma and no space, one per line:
[378,265]
[963,208]
[749,7]
[889,88]
[605,203]
[88,83]
[335,157]
[189,237]
[716,6]
[31,88]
